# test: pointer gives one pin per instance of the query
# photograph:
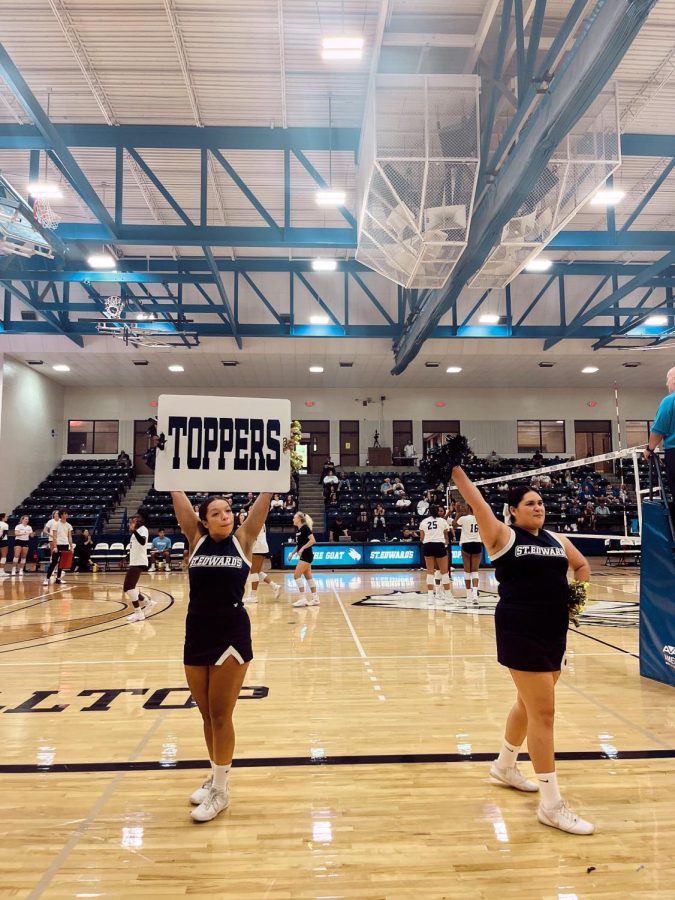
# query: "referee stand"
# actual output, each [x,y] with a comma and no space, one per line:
[657,585]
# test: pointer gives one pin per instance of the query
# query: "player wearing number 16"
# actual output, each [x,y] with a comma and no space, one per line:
[217,630]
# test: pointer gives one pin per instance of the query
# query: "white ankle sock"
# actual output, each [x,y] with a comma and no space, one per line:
[508,755]
[549,792]
[220,774]
[430,584]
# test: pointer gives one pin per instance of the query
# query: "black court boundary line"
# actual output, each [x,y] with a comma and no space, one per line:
[306,761]
[606,643]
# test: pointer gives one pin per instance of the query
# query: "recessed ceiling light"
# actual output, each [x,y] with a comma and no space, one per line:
[540,264]
[140,362]
[35,362]
[431,365]
[590,370]
[176,368]
[453,370]
[324,265]
[44,190]
[631,365]
[316,369]
[342,47]
[61,368]
[546,365]
[608,197]
[330,198]
[656,320]
[102,261]
[319,320]
[230,362]
[489,319]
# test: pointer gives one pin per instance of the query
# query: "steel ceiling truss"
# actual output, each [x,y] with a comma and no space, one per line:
[70,302]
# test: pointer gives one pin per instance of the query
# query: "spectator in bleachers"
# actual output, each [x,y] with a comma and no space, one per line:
[22,534]
[545,480]
[124,460]
[338,528]
[362,519]
[328,466]
[277,502]
[84,547]
[330,482]
[386,487]
[379,518]
[403,501]
[398,487]
[602,509]
[249,501]
[535,482]
[494,459]
[332,499]
[289,502]
[160,546]
[343,484]
[241,518]
[537,458]
[410,531]
[410,453]
[424,503]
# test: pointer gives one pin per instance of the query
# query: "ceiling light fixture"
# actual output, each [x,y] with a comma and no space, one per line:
[540,264]
[316,369]
[656,320]
[61,368]
[44,190]
[608,197]
[489,319]
[453,370]
[176,368]
[330,198]
[342,47]
[319,320]
[590,370]
[102,261]
[324,265]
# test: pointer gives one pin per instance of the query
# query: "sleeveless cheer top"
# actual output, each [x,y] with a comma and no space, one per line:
[532,570]
[218,571]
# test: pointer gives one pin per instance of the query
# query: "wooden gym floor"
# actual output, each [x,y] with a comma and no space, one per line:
[365,732]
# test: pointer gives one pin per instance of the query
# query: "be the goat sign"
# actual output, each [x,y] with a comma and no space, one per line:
[217,444]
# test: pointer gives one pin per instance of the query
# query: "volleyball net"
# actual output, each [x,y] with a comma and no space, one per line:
[595,496]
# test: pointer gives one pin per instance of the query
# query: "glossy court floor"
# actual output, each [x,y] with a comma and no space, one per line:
[365,731]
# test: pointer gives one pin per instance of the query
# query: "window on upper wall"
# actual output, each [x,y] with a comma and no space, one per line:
[637,431]
[93,435]
[547,436]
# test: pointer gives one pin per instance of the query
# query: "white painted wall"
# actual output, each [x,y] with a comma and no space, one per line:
[488,417]
[31,408]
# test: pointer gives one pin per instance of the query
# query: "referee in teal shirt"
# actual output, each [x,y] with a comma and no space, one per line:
[663,429]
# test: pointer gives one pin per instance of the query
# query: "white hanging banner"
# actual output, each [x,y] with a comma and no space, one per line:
[218,444]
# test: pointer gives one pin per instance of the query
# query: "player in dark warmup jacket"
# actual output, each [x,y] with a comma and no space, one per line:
[531,622]
[217,630]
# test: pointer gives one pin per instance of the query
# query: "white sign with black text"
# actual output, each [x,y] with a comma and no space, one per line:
[217,444]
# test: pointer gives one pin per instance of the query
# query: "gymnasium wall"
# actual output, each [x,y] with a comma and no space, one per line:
[32,406]
[487,417]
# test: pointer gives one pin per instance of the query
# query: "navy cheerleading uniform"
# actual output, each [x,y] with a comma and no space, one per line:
[217,625]
[532,615]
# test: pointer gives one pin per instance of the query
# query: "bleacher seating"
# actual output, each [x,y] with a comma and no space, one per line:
[160,512]
[90,489]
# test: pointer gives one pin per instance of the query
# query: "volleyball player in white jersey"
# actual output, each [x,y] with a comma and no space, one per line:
[472,549]
[259,553]
[4,543]
[60,540]
[434,538]
[22,534]
[138,563]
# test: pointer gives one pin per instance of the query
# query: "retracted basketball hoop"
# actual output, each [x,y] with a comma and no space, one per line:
[45,215]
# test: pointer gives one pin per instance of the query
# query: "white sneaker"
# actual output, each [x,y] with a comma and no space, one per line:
[149,602]
[45,582]
[313,600]
[137,616]
[251,598]
[562,817]
[20,573]
[200,795]
[151,570]
[301,601]
[215,803]
[276,589]
[513,777]
[62,576]
[13,571]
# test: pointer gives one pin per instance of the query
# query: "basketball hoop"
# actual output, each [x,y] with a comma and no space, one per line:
[44,214]
[114,306]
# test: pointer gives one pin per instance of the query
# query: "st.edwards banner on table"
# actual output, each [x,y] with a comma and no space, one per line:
[216,444]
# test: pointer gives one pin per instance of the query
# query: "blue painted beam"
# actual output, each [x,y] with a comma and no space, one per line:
[602,42]
[648,196]
[173,203]
[658,145]
[371,296]
[208,253]
[213,236]
[244,188]
[536,300]
[309,168]
[614,298]
[32,303]
[520,47]
[535,37]
[604,240]
[74,173]
[312,290]
[488,124]
[261,296]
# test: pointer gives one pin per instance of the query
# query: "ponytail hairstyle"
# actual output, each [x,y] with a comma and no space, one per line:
[515,497]
[306,519]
